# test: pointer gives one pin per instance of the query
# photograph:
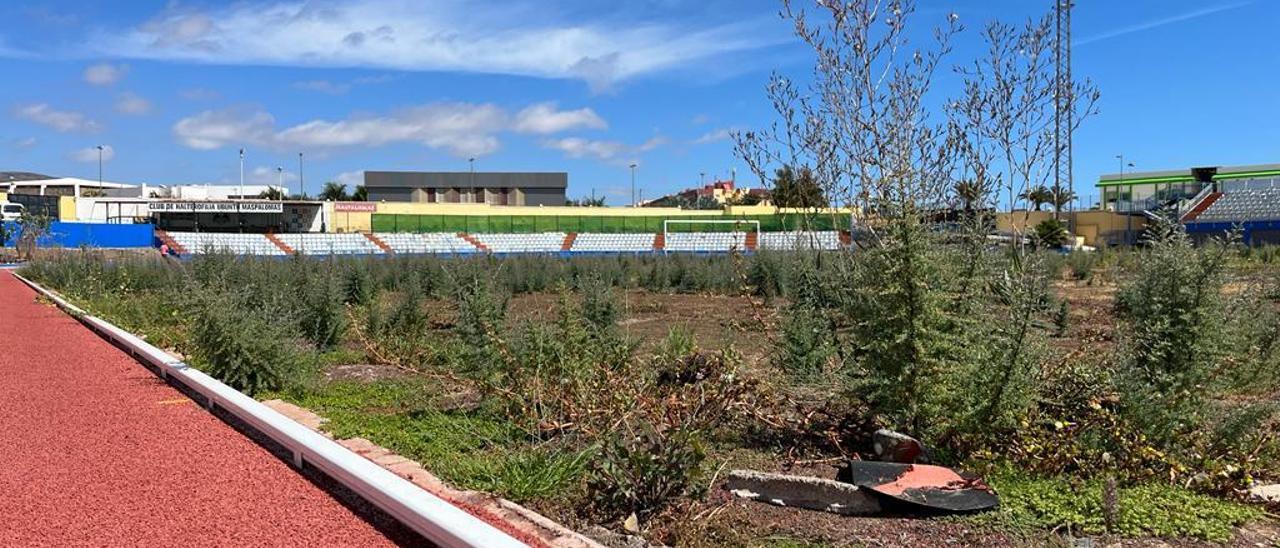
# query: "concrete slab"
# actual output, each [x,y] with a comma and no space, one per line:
[803,492]
[1266,493]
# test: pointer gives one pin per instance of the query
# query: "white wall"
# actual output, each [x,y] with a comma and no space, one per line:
[102,210]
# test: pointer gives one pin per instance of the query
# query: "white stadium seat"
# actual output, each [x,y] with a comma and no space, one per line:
[330,244]
[547,242]
[791,241]
[450,243]
[706,241]
[613,243]
[1244,205]
[434,242]
[212,242]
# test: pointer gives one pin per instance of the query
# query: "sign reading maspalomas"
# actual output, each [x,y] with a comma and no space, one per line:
[355,207]
[215,207]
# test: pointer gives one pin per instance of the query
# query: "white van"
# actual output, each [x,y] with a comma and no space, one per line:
[10,211]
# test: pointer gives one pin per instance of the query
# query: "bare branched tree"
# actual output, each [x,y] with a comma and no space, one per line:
[1006,112]
[863,126]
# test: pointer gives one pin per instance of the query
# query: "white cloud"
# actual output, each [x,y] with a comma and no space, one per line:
[350,178]
[90,154]
[714,136]
[132,104]
[577,147]
[200,94]
[213,129]
[521,38]
[543,119]
[104,74]
[63,121]
[652,143]
[25,143]
[266,175]
[462,129]
[341,88]
[1160,22]
[323,86]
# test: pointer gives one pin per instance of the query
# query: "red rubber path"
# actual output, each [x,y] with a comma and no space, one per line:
[96,450]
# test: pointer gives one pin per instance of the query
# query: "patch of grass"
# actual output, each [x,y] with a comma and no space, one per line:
[340,356]
[151,315]
[469,449]
[1144,510]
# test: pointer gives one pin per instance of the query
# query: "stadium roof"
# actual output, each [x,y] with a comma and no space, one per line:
[1188,175]
[62,182]
[6,176]
[465,179]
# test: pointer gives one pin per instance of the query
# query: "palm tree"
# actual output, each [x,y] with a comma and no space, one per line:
[1062,198]
[1038,196]
[272,193]
[970,193]
[360,194]
[334,192]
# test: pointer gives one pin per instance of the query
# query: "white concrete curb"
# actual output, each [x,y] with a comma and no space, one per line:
[430,516]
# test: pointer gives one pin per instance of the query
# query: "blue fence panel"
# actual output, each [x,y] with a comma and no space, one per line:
[90,234]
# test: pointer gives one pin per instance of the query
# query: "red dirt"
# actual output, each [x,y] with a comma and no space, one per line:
[98,451]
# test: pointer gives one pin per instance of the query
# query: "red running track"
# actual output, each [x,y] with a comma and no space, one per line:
[96,450]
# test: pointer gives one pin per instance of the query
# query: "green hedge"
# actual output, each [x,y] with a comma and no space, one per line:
[524,224]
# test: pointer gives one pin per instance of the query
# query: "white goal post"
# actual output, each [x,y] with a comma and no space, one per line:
[666,226]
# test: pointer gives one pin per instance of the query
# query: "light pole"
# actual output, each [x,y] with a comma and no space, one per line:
[280,180]
[471,179]
[302,183]
[702,178]
[100,147]
[1129,207]
[633,184]
[241,173]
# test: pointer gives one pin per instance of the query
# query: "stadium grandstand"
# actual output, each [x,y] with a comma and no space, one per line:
[443,243]
[1210,201]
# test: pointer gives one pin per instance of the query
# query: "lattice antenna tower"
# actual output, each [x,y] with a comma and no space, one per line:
[1064,101]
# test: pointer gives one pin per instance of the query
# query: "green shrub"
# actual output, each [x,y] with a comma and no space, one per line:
[807,344]
[322,317]
[242,348]
[599,305]
[1051,234]
[640,472]
[358,285]
[1172,319]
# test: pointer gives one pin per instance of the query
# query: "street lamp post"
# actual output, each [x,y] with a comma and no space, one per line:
[241,173]
[100,147]
[280,180]
[1129,208]
[471,179]
[302,183]
[633,184]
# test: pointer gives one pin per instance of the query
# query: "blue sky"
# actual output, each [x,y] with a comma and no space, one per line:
[175,89]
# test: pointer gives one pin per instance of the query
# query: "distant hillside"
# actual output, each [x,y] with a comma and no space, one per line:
[6,176]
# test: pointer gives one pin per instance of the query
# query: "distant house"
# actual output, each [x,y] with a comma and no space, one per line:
[717,192]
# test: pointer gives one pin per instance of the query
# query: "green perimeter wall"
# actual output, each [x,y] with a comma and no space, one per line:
[482,224]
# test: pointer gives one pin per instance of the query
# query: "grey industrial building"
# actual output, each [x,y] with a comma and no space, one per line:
[513,189]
